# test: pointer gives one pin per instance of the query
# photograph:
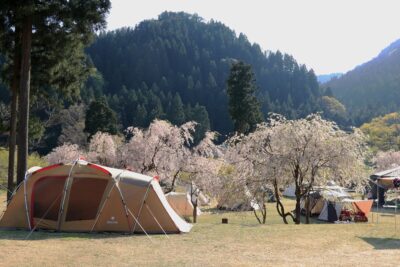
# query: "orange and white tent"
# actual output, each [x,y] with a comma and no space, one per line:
[86,197]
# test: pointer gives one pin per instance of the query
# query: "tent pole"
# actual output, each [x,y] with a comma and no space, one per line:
[143,201]
[125,206]
[60,214]
[26,205]
[162,229]
[102,207]
[104,202]
[136,220]
[44,215]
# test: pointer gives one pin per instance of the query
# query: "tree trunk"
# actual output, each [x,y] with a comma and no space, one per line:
[298,209]
[195,211]
[279,206]
[194,201]
[255,214]
[264,207]
[263,210]
[24,91]
[13,120]
[307,206]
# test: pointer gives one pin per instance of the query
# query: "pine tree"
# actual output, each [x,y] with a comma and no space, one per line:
[244,107]
[141,116]
[199,114]
[176,112]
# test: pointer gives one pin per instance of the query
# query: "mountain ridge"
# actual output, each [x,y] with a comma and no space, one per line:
[371,89]
[180,53]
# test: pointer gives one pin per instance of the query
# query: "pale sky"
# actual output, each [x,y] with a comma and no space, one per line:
[326,35]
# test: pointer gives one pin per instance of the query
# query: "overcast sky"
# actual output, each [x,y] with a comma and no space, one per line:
[326,35]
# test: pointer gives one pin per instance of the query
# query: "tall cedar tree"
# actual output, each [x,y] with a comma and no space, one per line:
[43,40]
[100,118]
[244,107]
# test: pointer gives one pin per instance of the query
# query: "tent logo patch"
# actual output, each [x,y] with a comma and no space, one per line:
[112,220]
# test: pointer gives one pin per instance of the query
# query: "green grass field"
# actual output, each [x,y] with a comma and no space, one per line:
[242,242]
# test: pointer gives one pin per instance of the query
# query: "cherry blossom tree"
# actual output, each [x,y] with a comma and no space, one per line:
[160,150]
[253,175]
[384,160]
[202,169]
[305,152]
[103,149]
[66,153]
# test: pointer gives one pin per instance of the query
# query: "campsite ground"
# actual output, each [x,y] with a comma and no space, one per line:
[241,242]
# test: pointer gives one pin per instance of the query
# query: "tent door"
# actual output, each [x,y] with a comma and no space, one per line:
[46,198]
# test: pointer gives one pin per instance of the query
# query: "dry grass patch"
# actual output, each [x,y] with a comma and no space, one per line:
[242,242]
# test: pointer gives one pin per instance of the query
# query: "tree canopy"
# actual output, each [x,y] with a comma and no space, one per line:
[100,118]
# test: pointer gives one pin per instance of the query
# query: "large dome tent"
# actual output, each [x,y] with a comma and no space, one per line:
[87,197]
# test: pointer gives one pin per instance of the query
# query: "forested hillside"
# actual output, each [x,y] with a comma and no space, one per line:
[371,89]
[174,68]
[180,59]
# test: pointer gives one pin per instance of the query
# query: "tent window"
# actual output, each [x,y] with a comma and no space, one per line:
[47,195]
[85,198]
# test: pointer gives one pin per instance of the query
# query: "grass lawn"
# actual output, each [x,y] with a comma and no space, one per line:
[241,242]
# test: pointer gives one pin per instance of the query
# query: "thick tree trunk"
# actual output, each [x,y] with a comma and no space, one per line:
[13,120]
[24,91]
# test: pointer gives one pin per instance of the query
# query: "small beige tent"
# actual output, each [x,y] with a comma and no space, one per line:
[86,197]
[181,203]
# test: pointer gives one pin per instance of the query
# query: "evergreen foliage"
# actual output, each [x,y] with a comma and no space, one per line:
[243,105]
[181,54]
[172,68]
[100,118]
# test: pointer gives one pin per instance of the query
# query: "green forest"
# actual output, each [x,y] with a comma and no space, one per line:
[176,68]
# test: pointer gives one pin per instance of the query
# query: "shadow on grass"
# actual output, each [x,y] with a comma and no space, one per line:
[382,243]
[44,235]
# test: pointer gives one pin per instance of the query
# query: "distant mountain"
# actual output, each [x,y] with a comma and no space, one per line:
[323,78]
[371,89]
[181,60]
